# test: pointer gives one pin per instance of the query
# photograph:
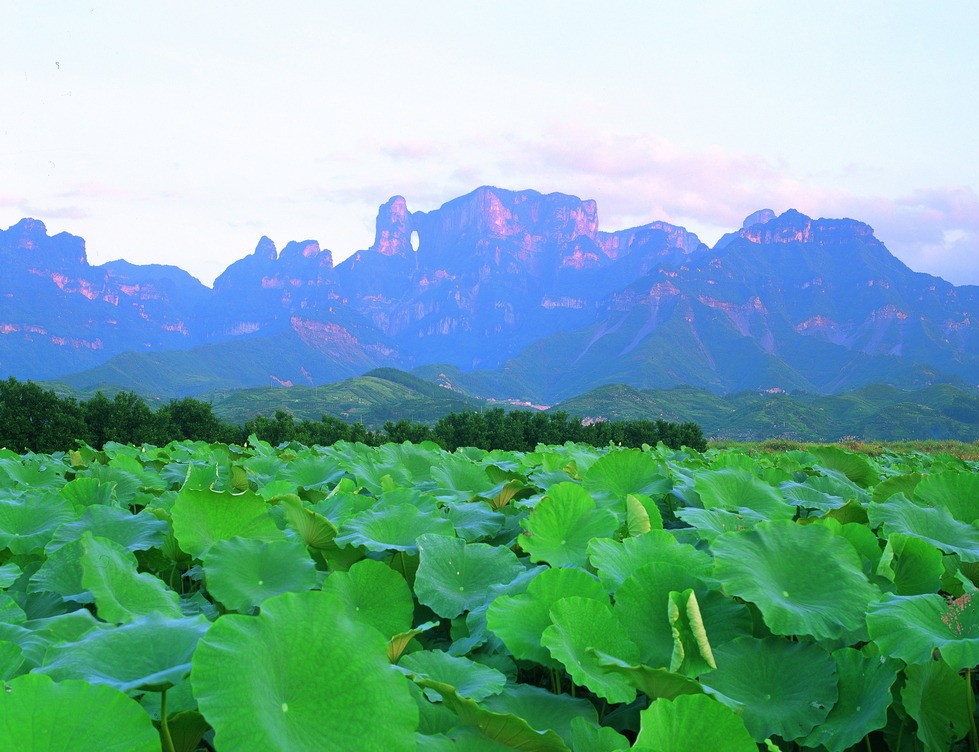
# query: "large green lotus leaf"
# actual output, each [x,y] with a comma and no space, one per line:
[9,573]
[735,490]
[61,573]
[519,620]
[121,593]
[691,722]
[84,492]
[39,715]
[510,731]
[454,576]
[805,496]
[933,696]
[865,695]
[653,682]
[11,659]
[313,471]
[135,532]
[470,679]
[474,520]
[766,566]
[559,528]
[913,565]
[37,472]
[203,517]
[579,628]
[903,484]
[151,653]
[642,606]
[724,618]
[458,480]
[395,528]
[856,467]
[642,514]
[620,473]
[28,522]
[301,675]
[692,654]
[785,688]
[711,523]
[864,540]
[315,530]
[932,524]
[911,627]
[543,709]
[957,491]
[10,611]
[617,560]
[375,594]
[243,572]
[475,625]
[589,736]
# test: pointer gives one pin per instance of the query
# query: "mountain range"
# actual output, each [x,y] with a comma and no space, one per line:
[503,294]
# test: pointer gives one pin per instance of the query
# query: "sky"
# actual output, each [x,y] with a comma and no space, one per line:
[181,132]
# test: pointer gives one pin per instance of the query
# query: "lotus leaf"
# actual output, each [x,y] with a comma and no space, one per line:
[710,523]
[61,573]
[269,681]
[585,735]
[11,659]
[243,572]
[579,628]
[935,525]
[692,722]
[395,528]
[474,520]
[375,594]
[913,565]
[135,532]
[617,560]
[151,653]
[203,517]
[865,694]
[561,525]
[84,492]
[642,606]
[28,522]
[911,627]
[510,731]
[956,491]
[543,709]
[785,688]
[314,529]
[767,566]
[692,653]
[470,679]
[933,696]
[39,715]
[903,484]
[611,478]
[9,573]
[653,682]
[856,467]
[521,619]
[122,593]
[736,490]
[454,576]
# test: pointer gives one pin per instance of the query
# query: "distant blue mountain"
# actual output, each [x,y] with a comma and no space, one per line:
[516,294]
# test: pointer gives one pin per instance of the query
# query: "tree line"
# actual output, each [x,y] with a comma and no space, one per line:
[34,419]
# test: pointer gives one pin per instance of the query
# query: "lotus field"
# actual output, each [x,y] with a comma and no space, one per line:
[288,598]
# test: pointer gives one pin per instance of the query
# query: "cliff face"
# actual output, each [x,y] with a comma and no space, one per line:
[521,284]
[59,313]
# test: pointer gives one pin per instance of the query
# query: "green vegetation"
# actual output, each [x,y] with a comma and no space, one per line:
[206,596]
[34,419]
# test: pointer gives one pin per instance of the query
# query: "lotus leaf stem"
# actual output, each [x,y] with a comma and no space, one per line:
[164,726]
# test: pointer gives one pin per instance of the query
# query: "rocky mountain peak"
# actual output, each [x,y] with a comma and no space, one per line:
[392,236]
[795,227]
[28,240]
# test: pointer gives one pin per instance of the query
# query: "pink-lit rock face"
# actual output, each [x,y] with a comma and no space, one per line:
[393,234]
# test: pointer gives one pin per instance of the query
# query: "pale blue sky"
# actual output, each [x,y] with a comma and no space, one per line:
[181,132]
